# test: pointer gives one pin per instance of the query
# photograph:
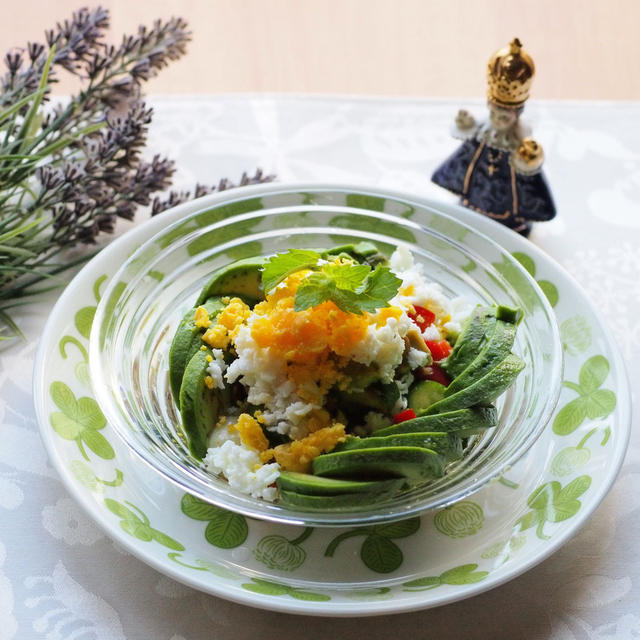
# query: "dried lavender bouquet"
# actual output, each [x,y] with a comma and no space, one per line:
[68,172]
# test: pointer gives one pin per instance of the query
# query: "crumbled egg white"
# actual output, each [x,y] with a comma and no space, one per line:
[243,470]
[216,368]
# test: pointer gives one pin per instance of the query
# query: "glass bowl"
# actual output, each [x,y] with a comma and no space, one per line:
[150,293]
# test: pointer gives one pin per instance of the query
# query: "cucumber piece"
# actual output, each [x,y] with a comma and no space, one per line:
[186,341]
[470,340]
[425,393]
[413,463]
[240,278]
[496,348]
[315,485]
[484,390]
[449,446]
[199,405]
[313,502]
[463,422]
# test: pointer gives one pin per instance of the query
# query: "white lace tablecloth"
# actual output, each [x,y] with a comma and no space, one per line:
[62,578]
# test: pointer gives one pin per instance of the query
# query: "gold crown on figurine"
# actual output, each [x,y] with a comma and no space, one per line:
[510,75]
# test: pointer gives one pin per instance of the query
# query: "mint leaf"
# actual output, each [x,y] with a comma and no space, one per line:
[347,276]
[379,287]
[282,265]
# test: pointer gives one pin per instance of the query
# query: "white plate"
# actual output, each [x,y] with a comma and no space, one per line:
[500,532]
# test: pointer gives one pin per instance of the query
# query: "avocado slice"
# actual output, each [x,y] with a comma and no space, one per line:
[446,444]
[424,393]
[199,405]
[320,502]
[186,341]
[464,422]
[478,325]
[315,485]
[496,348]
[240,278]
[363,252]
[483,390]
[413,463]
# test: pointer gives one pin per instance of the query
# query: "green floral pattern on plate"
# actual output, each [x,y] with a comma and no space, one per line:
[79,420]
[460,520]
[592,402]
[225,529]
[278,552]
[378,552]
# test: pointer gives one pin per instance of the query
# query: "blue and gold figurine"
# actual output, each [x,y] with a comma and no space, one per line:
[497,170]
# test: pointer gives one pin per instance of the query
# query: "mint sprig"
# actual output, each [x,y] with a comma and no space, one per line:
[353,287]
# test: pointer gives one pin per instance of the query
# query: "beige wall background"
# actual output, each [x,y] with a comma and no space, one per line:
[430,48]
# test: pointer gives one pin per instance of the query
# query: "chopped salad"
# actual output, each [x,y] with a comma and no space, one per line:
[330,377]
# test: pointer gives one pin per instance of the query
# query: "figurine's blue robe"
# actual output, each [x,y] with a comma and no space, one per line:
[486,182]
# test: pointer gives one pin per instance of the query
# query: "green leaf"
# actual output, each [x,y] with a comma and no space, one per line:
[89,414]
[312,291]
[526,261]
[165,540]
[63,397]
[571,416]
[464,574]
[550,290]
[429,582]
[575,334]
[574,489]
[137,529]
[380,554]
[283,265]
[198,509]
[380,287]
[120,510]
[346,276]
[309,596]
[266,587]
[64,426]
[400,529]
[600,403]
[593,373]
[540,498]
[83,321]
[227,530]
[528,520]
[98,444]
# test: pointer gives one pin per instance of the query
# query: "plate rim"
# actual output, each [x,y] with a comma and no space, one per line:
[332,608]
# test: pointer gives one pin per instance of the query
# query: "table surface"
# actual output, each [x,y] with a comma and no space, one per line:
[593,165]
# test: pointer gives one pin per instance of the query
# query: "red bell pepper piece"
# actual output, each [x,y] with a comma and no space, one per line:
[440,349]
[407,414]
[422,317]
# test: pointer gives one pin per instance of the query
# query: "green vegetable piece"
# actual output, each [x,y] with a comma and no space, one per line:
[497,346]
[240,278]
[425,393]
[447,445]
[306,483]
[337,501]
[413,463]
[462,422]
[483,390]
[378,397]
[509,314]
[199,405]
[470,340]
[282,265]
[186,341]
